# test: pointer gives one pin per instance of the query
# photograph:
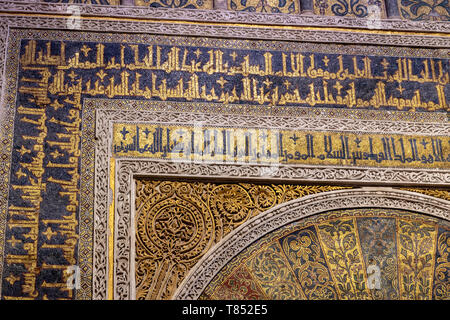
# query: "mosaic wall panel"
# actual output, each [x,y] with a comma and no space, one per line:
[425,9]
[186,4]
[178,222]
[370,9]
[194,72]
[48,133]
[267,6]
[359,254]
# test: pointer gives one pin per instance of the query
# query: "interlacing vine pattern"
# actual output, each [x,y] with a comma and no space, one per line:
[416,245]
[340,244]
[178,222]
[348,254]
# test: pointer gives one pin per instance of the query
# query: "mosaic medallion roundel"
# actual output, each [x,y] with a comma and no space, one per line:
[176,225]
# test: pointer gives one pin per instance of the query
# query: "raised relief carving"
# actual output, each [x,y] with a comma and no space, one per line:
[178,222]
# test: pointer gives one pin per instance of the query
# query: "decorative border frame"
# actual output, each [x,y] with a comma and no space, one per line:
[126,169]
[220,15]
[211,263]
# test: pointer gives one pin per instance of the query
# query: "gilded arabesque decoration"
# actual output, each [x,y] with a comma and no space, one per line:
[345,254]
[178,222]
[83,2]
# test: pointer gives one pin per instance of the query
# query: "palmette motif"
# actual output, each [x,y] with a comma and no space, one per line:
[416,244]
[343,255]
[308,262]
